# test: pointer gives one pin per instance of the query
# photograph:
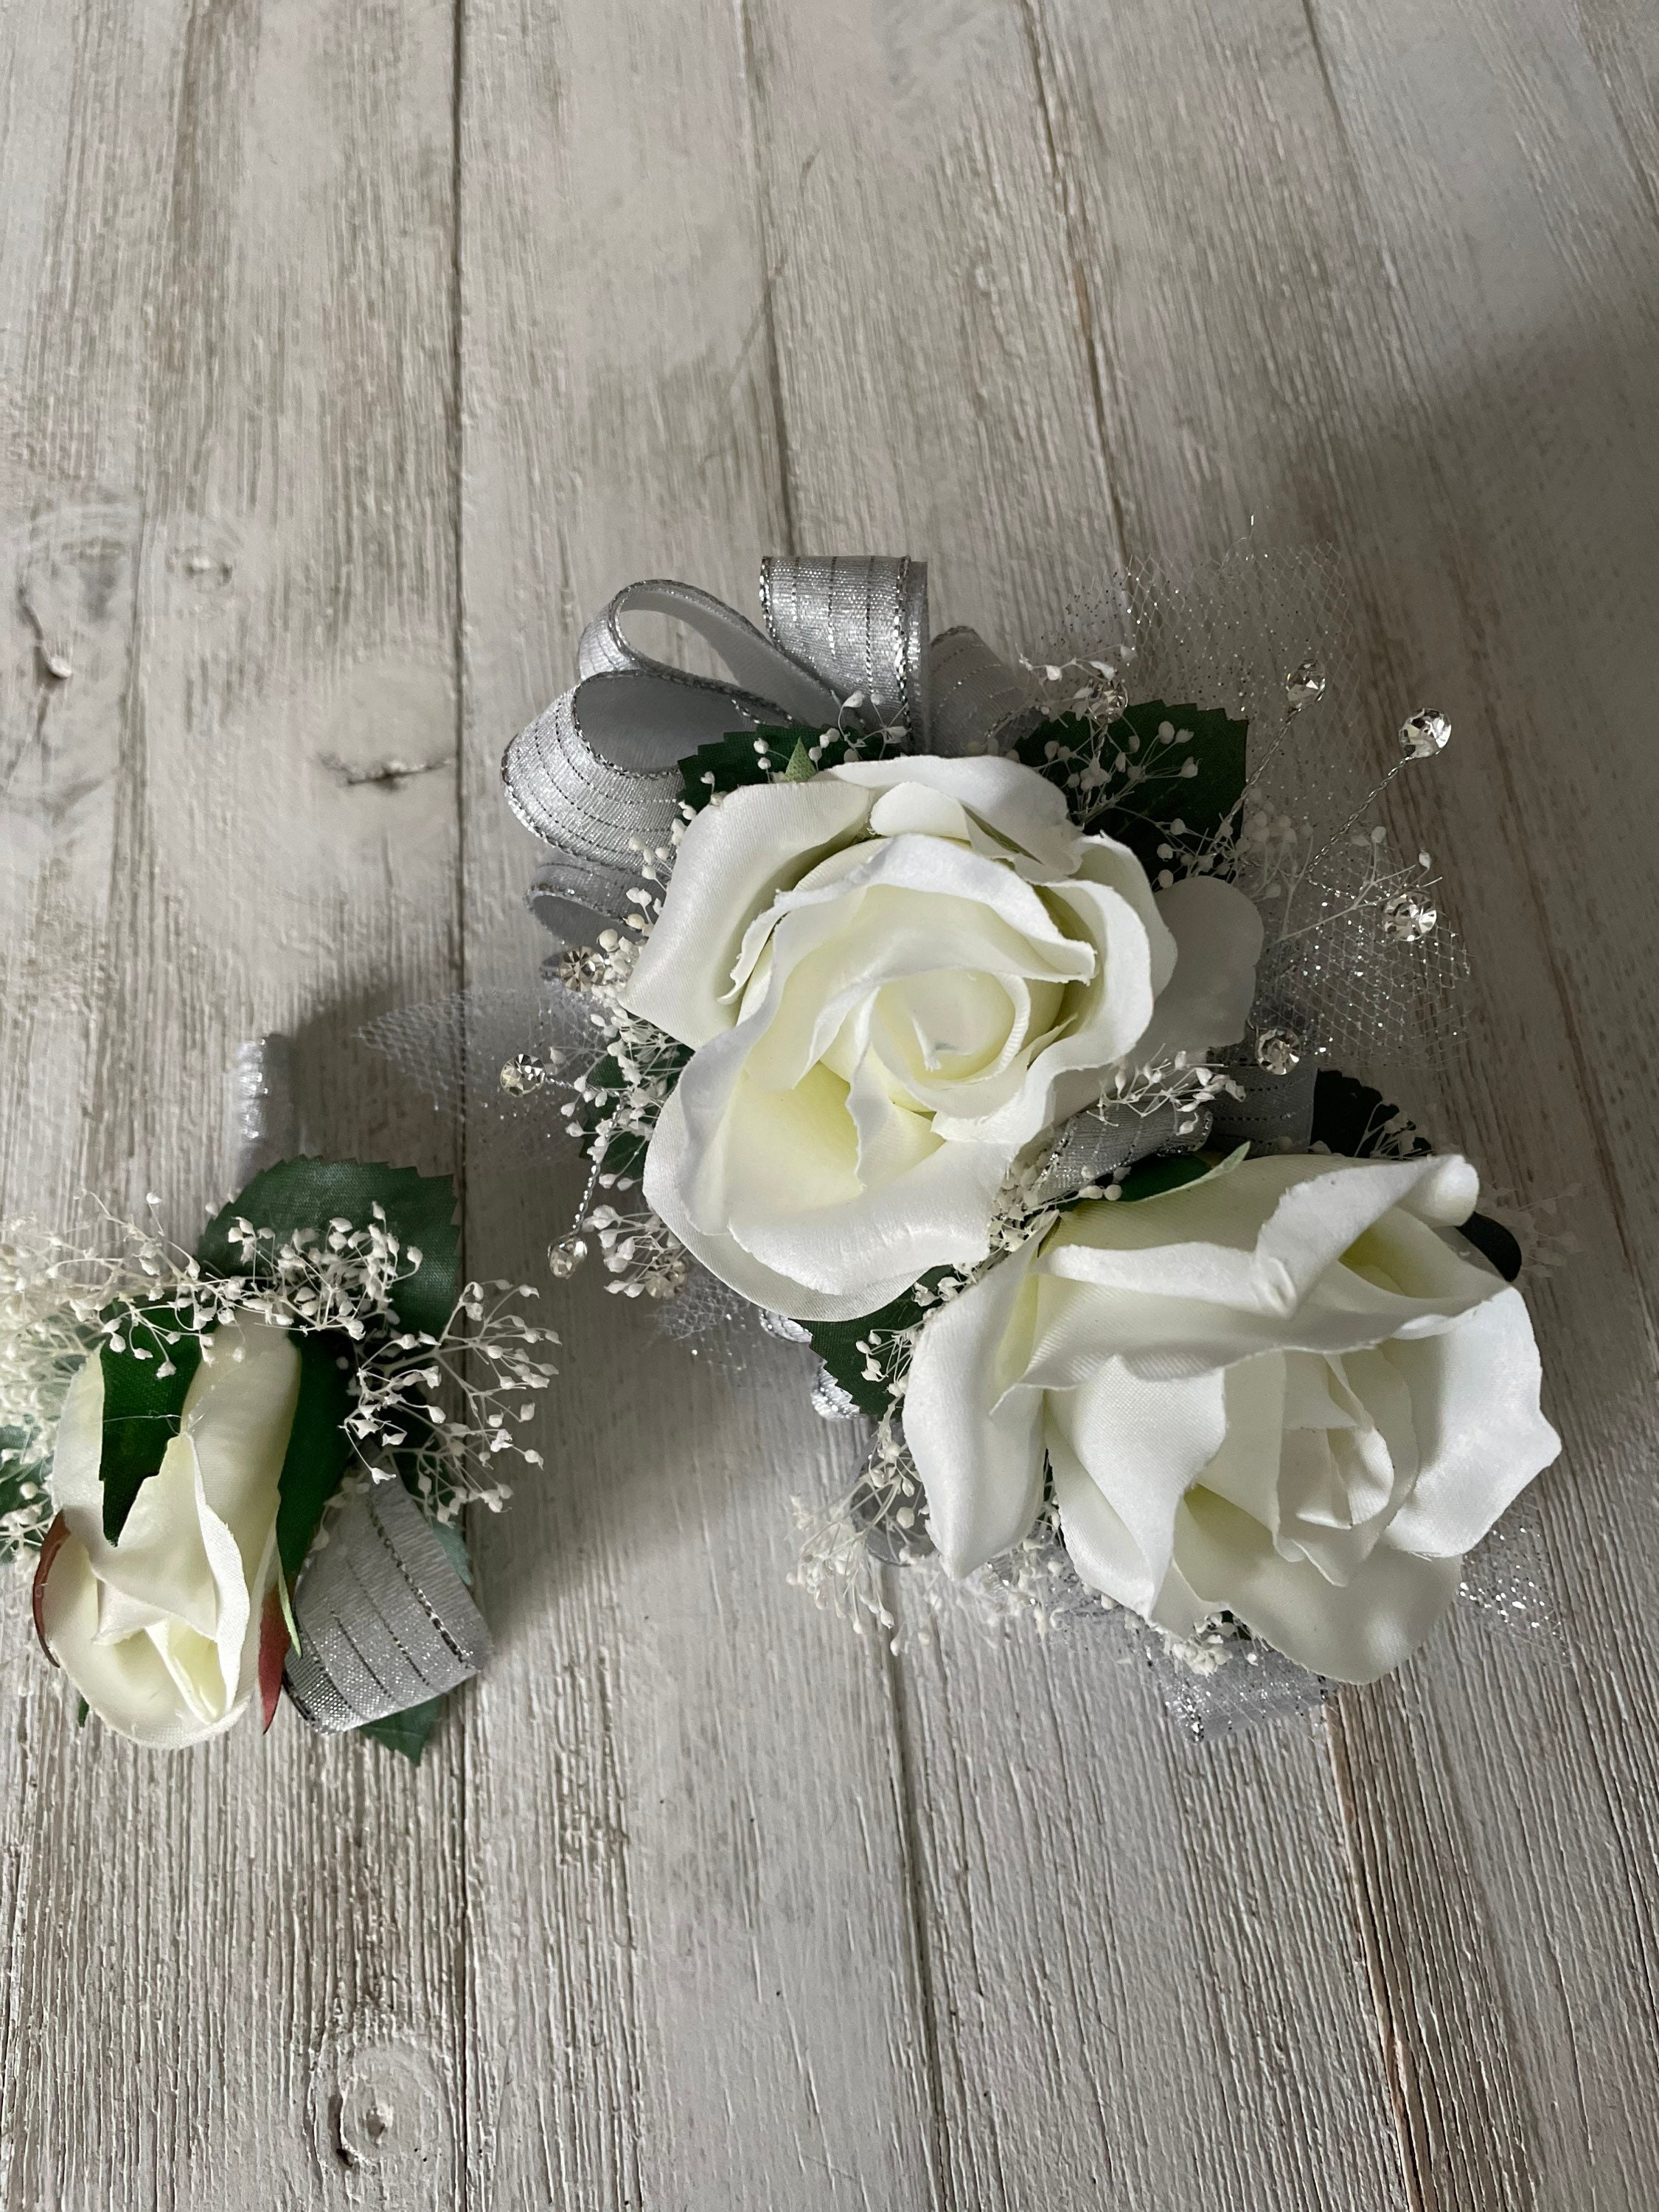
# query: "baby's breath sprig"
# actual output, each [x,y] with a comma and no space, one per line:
[443,1405]
[447,1407]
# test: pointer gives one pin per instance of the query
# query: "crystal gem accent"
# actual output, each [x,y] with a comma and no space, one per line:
[1408,918]
[1305,686]
[523,1074]
[1277,1050]
[580,967]
[567,1256]
[1423,735]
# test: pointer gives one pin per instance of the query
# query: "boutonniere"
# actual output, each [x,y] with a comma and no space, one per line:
[243,1465]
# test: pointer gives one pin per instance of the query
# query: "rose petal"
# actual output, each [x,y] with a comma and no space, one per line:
[1481,1432]
[1353,1632]
[731,861]
[1217,934]
[977,1442]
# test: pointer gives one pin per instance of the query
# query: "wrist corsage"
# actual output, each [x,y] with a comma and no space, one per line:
[976,1025]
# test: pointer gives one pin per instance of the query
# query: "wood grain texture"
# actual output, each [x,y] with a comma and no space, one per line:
[233,1975]
[1424,298]
[933,282]
[350,356]
[691,1944]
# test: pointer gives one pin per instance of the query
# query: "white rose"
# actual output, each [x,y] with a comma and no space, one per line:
[895,977]
[159,1633]
[1277,1391]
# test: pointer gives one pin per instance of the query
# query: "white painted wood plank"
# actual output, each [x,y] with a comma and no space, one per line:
[1109,1917]
[690,1943]
[224,341]
[1398,293]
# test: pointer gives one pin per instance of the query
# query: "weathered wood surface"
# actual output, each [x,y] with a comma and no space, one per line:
[351,355]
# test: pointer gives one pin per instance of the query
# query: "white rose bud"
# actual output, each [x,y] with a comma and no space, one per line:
[159,1633]
[1278,1392]
[895,977]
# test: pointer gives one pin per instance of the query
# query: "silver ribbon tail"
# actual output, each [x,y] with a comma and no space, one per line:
[385,1621]
[262,1124]
[1276,1113]
[596,775]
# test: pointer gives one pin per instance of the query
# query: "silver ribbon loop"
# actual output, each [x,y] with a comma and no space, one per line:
[1097,1144]
[385,1621]
[770,679]
[979,704]
[862,623]
[596,776]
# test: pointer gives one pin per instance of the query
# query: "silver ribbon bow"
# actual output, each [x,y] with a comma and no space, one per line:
[596,774]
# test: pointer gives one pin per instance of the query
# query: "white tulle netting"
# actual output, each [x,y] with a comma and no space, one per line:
[1237,635]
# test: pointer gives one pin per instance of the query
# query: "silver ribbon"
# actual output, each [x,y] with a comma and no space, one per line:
[385,1621]
[596,774]
[1097,1144]
[1276,1113]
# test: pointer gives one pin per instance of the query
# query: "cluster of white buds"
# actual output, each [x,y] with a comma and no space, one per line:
[453,1404]
[639,1252]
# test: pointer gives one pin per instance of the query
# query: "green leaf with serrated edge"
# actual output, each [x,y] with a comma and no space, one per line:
[1351,1118]
[800,768]
[407,1732]
[1200,802]
[318,1448]
[727,763]
[143,1406]
[308,1194]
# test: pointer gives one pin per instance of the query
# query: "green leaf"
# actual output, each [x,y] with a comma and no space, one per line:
[308,1194]
[731,761]
[318,1448]
[406,1732]
[83,1712]
[836,1343]
[1141,816]
[143,1407]
[1152,1178]
[1351,1118]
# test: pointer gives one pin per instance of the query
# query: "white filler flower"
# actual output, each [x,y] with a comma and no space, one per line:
[1277,1391]
[896,976]
[159,1633]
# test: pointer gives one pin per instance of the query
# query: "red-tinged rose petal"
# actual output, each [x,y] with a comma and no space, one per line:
[273,1651]
[49,1551]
